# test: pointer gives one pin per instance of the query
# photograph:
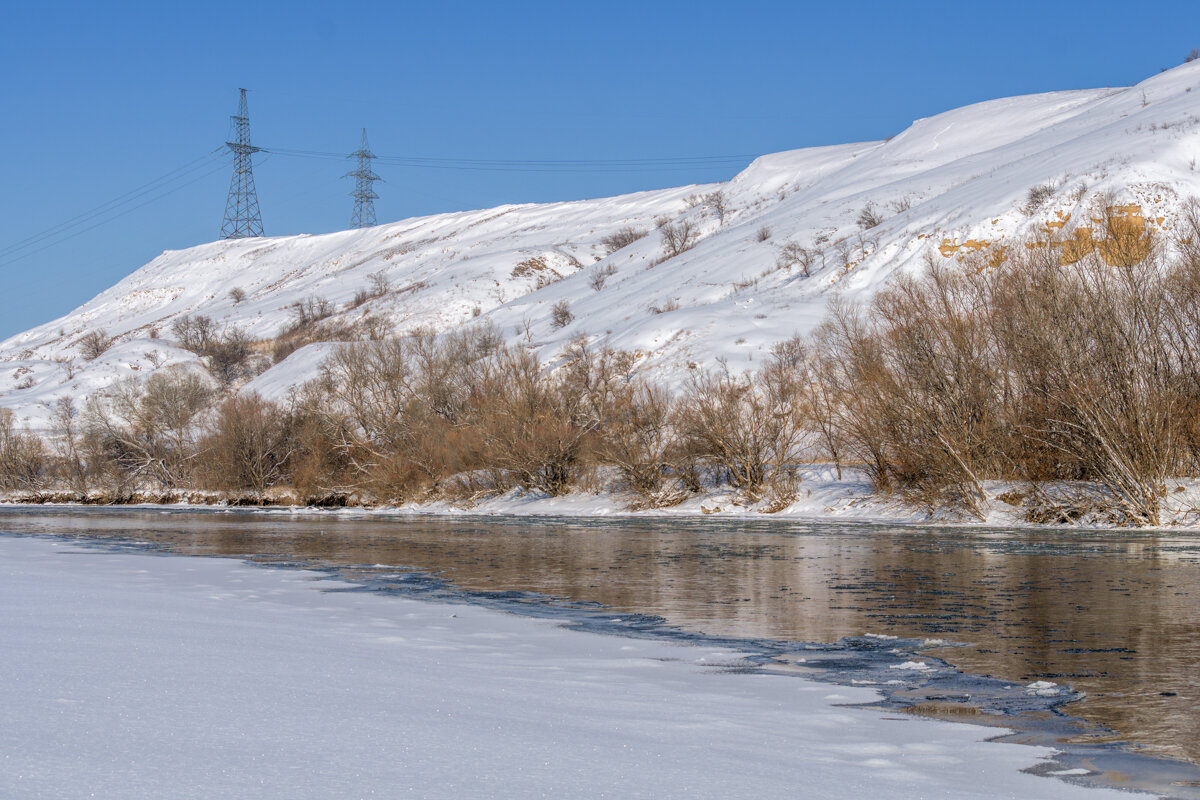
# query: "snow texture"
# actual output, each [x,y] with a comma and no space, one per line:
[140,676]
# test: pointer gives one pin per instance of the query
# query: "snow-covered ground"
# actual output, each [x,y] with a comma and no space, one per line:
[139,676]
[948,186]
[821,495]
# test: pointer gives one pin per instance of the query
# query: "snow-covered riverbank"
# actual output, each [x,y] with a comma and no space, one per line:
[129,676]
[821,494]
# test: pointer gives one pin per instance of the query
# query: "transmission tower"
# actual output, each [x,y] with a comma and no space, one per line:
[242,217]
[364,191]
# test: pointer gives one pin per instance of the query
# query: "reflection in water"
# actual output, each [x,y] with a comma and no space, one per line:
[1115,614]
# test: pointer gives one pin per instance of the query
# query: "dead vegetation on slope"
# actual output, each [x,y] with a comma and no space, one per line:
[1076,378]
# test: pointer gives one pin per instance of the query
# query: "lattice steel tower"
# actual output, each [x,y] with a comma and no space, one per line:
[242,217]
[364,191]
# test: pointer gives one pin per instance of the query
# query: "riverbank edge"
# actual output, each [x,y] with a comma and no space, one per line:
[821,494]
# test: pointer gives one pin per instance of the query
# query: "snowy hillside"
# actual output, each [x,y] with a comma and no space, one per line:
[952,184]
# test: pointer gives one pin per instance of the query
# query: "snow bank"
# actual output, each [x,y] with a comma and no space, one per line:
[139,676]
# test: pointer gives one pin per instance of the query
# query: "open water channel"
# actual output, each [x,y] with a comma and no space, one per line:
[1112,618]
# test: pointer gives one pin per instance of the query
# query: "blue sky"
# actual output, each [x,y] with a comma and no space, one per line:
[103,99]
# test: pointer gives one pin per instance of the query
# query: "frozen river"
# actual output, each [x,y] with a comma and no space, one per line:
[1110,620]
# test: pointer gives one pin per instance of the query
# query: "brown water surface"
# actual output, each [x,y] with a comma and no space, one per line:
[1113,614]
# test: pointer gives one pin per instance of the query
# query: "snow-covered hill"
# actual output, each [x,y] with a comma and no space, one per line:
[952,184]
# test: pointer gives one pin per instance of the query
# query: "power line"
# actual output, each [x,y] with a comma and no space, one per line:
[536,165]
[5,260]
[133,194]
[170,182]
[113,209]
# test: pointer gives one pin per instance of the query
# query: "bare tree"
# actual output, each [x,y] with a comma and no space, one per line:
[793,254]
[560,314]
[150,430]
[23,461]
[94,344]
[745,426]
[248,444]
[677,237]
[717,202]
[70,463]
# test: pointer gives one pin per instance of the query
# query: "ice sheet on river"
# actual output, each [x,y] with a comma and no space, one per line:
[141,676]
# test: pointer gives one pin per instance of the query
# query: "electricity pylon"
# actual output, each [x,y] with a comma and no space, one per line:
[242,217]
[364,191]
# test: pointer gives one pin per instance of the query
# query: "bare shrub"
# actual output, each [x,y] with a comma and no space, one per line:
[94,344]
[193,333]
[747,426]
[1036,197]
[398,411]
[667,307]
[762,234]
[869,217]
[311,323]
[378,284]
[793,254]
[247,445]
[533,426]
[560,314]
[228,353]
[1191,56]
[308,312]
[600,275]
[677,237]
[621,239]
[636,437]
[782,489]
[237,294]
[376,326]
[319,466]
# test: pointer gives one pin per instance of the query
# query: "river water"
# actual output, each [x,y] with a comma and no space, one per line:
[1113,614]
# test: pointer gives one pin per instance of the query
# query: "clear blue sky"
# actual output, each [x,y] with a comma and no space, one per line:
[101,99]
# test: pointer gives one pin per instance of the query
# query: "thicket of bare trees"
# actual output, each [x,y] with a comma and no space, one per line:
[23,457]
[1070,367]
[1033,370]
[403,418]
